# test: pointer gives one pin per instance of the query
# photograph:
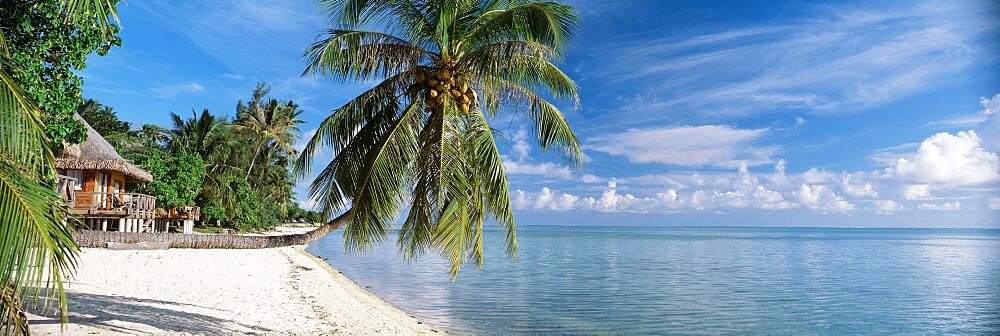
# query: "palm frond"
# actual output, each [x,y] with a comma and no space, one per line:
[36,247]
[361,55]
[549,23]
[337,130]
[98,12]
[549,124]
[445,65]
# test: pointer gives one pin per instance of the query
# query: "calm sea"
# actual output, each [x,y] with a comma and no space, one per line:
[705,280]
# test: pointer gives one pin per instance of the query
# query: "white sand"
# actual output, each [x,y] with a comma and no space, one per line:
[281,291]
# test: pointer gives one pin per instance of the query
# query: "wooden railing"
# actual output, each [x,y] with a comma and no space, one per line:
[128,204]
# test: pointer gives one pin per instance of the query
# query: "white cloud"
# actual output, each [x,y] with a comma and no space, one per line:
[591,178]
[549,200]
[689,146]
[171,91]
[946,206]
[546,169]
[991,106]
[950,159]
[887,207]
[868,56]
[993,203]
[916,191]
[521,147]
[856,188]
[821,197]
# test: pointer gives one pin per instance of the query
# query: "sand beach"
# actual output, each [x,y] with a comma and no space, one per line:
[278,291]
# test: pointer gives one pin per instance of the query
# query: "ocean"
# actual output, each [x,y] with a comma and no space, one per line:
[699,280]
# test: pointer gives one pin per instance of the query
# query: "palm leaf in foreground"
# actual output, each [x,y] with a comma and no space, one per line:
[421,135]
[36,246]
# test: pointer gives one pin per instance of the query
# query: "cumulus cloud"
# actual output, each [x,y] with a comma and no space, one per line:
[928,176]
[951,159]
[852,187]
[689,146]
[916,191]
[821,197]
[887,206]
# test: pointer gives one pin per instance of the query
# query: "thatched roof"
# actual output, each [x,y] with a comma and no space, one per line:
[97,153]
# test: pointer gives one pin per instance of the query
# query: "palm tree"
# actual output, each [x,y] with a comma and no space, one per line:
[421,135]
[271,123]
[198,135]
[36,246]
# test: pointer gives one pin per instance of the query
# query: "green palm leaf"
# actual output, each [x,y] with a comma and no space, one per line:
[36,246]
[421,135]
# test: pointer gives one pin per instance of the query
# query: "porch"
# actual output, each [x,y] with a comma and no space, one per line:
[126,212]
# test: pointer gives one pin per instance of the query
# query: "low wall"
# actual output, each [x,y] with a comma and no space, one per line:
[100,239]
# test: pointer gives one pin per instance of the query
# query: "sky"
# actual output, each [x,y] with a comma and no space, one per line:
[762,113]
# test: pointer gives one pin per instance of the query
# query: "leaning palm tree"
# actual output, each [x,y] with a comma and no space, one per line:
[422,134]
[36,247]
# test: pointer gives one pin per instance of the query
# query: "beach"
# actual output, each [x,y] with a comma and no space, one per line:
[278,291]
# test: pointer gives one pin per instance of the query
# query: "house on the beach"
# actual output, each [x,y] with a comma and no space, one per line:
[92,176]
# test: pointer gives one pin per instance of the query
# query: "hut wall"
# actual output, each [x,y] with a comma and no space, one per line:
[119,179]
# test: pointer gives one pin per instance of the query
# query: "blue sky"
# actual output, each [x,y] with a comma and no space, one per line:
[831,113]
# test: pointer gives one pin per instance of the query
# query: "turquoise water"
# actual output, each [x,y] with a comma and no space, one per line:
[774,281]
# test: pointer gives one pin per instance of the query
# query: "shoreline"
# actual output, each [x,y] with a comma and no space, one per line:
[276,291]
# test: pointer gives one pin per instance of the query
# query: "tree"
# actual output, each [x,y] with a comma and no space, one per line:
[47,47]
[177,179]
[422,133]
[267,123]
[199,135]
[40,43]
[103,118]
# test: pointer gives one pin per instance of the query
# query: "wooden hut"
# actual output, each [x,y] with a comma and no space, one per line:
[92,177]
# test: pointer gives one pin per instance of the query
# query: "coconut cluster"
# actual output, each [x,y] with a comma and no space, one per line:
[443,83]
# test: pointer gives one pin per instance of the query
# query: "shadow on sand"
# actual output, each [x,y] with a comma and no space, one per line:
[101,311]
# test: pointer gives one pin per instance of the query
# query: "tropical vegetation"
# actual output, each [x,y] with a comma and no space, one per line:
[41,44]
[203,160]
[422,137]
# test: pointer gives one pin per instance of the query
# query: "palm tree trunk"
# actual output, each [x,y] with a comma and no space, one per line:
[254,159]
[100,239]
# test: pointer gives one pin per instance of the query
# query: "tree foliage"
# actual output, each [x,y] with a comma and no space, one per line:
[46,48]
[204,160]
[177,178]
[421,135]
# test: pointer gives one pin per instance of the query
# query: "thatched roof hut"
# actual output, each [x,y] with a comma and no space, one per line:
[96,153]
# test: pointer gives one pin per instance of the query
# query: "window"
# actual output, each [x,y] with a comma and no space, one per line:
[78,175]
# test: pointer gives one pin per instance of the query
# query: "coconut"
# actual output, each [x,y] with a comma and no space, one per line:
[432,82]
[466,99]
[444,74]
[465,87]
[465,108]
[455,93]
[421,78]
[432,93]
